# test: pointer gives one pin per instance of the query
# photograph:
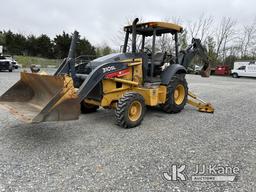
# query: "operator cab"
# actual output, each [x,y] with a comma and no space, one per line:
[153,58]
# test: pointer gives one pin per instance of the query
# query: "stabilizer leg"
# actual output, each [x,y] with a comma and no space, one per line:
[200,104]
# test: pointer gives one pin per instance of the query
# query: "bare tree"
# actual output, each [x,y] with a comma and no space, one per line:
[224,35]
[165,42]
[247,39]
[118,39]
[201,28]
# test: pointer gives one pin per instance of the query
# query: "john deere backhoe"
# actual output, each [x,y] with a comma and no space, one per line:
[127,81]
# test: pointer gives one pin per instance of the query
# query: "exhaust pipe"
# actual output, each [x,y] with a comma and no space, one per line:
[134,34]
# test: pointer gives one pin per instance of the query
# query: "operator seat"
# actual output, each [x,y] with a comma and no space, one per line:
[159,58]
[159,61]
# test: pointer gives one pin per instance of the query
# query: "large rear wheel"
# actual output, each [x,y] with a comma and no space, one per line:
[130,110]
[177,94]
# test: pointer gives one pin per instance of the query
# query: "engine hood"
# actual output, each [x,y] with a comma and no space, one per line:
[114,57]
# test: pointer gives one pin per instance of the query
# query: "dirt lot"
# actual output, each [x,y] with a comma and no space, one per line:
[94,154]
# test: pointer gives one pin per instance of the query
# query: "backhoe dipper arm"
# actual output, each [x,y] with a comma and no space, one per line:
[185,58]
[187,55]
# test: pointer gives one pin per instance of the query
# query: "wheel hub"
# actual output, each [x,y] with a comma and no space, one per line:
[179,94]
[135,111]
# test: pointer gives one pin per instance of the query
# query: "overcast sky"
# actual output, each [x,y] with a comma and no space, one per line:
[99,21]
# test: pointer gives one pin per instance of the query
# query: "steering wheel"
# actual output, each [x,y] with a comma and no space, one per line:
[147,51]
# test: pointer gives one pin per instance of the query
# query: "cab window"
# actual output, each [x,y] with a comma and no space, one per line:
[241,68]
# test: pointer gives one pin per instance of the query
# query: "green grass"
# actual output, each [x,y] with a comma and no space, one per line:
[26,61]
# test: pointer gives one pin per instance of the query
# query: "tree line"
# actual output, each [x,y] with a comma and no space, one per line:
[44,46]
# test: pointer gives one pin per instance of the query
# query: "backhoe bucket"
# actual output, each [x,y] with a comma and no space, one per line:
[38,98]
[206,70]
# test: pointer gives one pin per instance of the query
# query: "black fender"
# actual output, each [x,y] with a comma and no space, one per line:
[170,71]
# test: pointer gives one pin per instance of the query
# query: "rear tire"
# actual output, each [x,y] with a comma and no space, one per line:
[10,70]
[177,94]
[130,110]
[88,108]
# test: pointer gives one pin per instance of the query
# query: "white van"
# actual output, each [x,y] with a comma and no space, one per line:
[244,69]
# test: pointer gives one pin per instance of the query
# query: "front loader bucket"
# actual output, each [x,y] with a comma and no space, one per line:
[38,98]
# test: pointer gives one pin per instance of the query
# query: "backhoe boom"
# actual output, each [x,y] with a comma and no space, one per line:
[187,55]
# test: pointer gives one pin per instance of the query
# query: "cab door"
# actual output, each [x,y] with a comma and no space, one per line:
[242,71]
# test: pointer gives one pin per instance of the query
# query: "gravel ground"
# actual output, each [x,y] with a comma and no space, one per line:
[94,154]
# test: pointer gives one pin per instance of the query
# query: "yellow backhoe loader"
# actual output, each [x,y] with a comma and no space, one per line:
[127,81]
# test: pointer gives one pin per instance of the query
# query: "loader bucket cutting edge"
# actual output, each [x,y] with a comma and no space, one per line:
[38,98]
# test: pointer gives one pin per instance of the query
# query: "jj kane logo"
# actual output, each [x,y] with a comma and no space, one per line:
[202,173]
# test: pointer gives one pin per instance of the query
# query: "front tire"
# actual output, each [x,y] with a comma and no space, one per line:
[130,110]
[10,70]
[235,75]
[177,94]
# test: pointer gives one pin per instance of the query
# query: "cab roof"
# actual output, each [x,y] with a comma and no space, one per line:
[161,28]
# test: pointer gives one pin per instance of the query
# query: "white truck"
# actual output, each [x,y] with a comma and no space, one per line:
[244,69]
[1,50]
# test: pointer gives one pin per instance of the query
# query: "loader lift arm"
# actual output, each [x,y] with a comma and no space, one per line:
[97,75]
